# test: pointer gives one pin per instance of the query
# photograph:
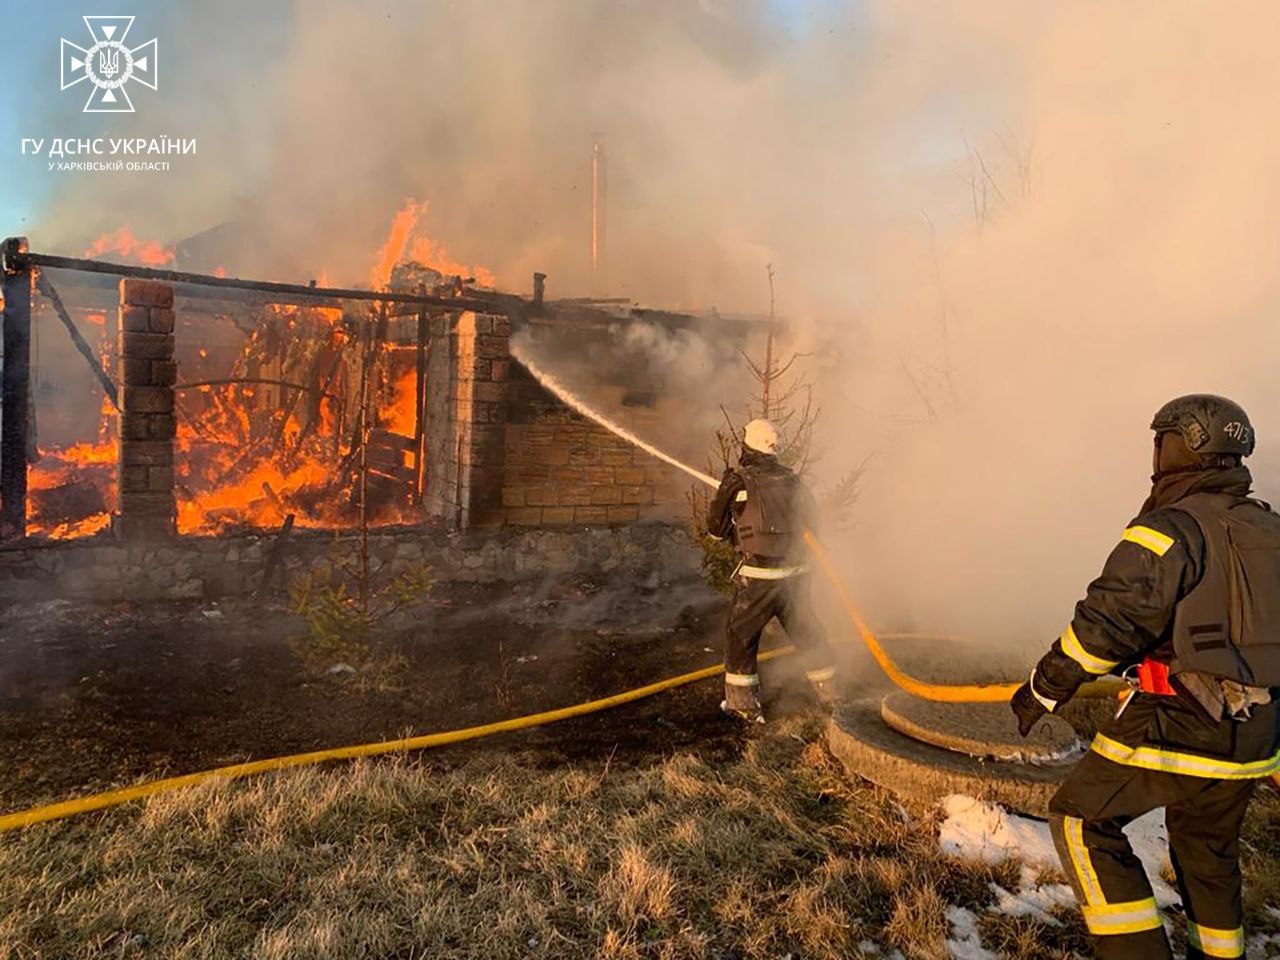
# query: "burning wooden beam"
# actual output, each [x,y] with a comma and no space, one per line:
[108,385]
[420,408]
[25,260]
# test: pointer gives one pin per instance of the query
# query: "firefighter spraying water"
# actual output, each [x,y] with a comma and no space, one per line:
[1187,607]
[765,508]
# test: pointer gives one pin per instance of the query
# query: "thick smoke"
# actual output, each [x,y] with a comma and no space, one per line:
[1006,232]
[1126,255]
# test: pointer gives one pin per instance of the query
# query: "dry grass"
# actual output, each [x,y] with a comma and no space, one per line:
[767,855]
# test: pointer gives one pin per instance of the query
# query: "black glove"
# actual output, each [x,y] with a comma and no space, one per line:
[1026,708]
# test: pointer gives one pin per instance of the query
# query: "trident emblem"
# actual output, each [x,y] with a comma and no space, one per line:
[109,64]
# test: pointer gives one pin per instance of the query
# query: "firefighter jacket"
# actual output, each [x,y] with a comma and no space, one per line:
[729,505]
[1128,614]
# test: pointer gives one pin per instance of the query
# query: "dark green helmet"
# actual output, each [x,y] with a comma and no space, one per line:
[1209,424]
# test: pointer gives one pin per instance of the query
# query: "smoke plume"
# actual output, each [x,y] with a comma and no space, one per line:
[1003,232]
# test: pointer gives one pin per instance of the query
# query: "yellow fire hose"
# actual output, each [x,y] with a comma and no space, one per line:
[945,693]
[989,693]
[941,692]
[113,798]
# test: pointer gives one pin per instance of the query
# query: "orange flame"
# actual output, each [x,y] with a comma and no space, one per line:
[248,454]
[422,249]
[124,243]
[400,416]
[91,463]
[392,252]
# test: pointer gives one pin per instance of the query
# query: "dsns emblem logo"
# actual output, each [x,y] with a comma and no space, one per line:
[109,65]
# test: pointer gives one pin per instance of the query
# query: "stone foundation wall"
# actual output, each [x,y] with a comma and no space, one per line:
[208,568]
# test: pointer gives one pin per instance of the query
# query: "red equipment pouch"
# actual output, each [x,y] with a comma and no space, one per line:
[1153,677]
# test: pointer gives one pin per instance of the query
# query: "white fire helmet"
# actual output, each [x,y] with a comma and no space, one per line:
[761,436]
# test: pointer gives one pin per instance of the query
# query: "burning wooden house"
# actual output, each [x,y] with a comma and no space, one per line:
[224,405]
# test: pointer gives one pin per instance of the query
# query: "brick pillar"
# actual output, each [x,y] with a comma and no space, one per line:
[466,418]
[145,506]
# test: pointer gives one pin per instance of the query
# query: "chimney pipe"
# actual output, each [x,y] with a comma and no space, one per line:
[599,200]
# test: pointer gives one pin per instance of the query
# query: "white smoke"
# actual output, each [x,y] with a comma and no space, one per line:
[1005,232]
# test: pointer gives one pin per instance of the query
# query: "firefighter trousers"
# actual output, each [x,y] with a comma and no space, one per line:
[755,602]
[1087,817]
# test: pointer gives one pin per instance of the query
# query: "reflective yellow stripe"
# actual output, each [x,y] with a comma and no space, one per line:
[769,573]
[1072,648]
[742,679]
[741,497]
[820,676]
[1050,705]
[1213,942]
[1114,919]
[1073,830]
[1153,540]
[1188,764]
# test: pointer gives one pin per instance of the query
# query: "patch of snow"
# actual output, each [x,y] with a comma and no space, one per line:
[1150,841]
[976,830]
[1032,898]
[965,943]
[869,948]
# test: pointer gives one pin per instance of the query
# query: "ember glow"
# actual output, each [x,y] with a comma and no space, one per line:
[251,451]
[398,416]
[69,490]
[267,408]
[123,243]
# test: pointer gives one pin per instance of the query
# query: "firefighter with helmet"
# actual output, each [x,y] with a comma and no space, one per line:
[1188,609]
[764,507]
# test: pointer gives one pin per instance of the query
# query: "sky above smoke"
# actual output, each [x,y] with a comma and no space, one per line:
[1006,231]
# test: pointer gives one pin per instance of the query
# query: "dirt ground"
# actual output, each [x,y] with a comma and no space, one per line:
[98,696]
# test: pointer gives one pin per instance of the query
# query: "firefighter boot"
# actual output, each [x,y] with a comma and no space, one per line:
[742,702]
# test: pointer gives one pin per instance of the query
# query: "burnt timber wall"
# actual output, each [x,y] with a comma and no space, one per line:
[501,449]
